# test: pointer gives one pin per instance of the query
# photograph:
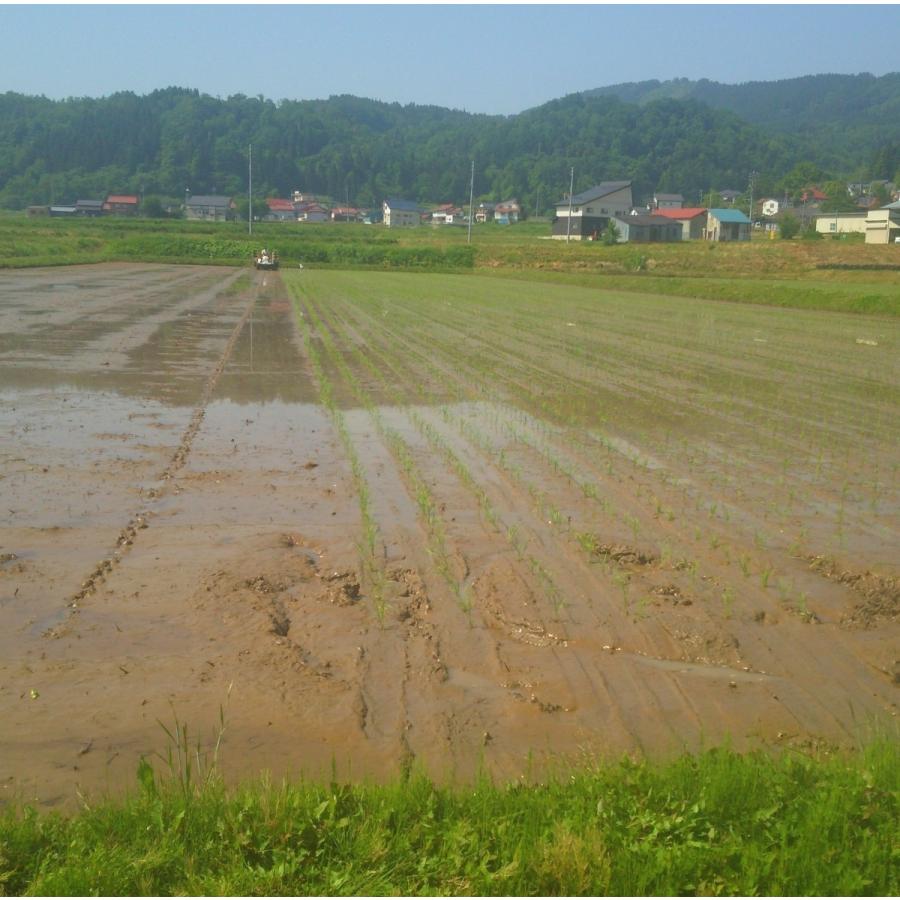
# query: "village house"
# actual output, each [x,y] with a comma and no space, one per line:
[668,201]
[484,212]
[210,208]
[279,210]
[729,196]
[310,212]
[121,205]
[592,210]
[345,214]
[643,229]
[400,213]
[727,225]
[507,212]
[692,220]
[447,214]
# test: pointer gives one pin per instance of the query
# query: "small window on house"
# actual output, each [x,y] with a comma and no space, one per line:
[832,226]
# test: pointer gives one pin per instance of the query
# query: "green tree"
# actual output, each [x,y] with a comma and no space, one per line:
[837,198]
[152,208]
[242,205]
[611,234]
[790,226]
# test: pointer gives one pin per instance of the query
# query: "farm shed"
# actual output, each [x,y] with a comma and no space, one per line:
[727,225]
[692,220]
[640,229]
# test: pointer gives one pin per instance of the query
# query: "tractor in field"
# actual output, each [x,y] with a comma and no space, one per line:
[266,259]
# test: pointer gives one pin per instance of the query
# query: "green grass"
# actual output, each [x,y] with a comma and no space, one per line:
[716,823]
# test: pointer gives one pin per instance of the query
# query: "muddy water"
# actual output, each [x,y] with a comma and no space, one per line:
[125,393]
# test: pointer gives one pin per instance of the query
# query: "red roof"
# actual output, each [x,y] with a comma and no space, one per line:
[277,205]
[122,198]
[690,212]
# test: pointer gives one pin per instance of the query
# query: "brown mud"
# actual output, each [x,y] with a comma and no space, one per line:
[180,531]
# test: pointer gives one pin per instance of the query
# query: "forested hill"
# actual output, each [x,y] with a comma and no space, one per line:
[852,113]
[364,150]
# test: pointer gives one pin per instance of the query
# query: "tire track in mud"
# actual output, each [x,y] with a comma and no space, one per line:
[139,521]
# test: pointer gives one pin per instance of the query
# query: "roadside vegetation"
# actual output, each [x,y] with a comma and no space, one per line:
[710,824]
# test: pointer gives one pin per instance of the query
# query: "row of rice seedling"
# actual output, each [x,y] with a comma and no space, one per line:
[659,507]
[372,566]
[425,501]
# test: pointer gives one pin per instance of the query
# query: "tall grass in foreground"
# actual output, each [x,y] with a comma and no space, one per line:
[717,823]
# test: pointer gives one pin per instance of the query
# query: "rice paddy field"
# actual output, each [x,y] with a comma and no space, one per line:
[430,534]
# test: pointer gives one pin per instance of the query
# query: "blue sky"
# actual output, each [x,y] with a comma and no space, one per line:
[492,59]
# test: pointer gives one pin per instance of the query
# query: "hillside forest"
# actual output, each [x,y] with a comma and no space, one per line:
[685,137]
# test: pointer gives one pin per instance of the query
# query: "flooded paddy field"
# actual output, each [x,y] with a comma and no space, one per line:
[447,521]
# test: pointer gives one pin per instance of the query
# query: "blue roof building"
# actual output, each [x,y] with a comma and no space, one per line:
[727,225]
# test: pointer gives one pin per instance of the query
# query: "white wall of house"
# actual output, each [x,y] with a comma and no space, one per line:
[882,227]
[841,223]
[400,218]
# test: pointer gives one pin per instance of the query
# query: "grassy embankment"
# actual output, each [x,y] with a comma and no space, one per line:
[795,274]
[717,823]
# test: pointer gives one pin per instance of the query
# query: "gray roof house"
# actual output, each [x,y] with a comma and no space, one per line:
[668,201]
[210,207]
[591,210]
[403,213]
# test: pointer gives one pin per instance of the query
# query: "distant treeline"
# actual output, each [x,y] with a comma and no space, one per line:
[363,150]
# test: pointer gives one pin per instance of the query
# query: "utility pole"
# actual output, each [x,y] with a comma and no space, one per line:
[752,179]
[569,217]
[250,191]
[471,201]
